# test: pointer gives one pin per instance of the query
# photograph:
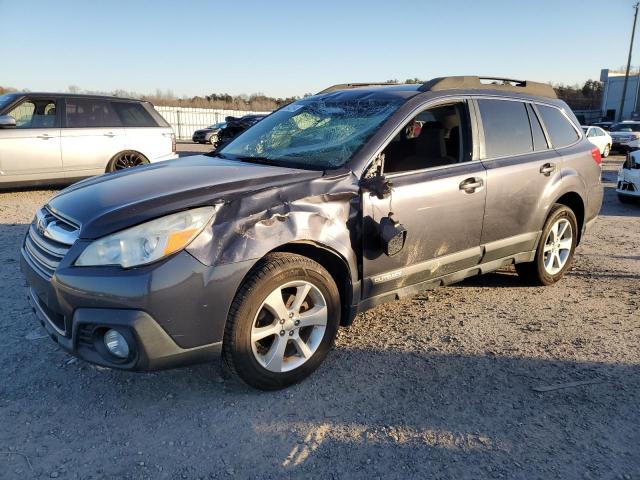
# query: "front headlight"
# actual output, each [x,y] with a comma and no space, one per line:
[148,242]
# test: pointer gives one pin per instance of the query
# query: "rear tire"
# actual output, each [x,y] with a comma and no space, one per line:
[126,159]
[555,251]
[282,322]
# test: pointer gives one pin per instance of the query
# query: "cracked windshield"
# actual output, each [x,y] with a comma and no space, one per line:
[315,134]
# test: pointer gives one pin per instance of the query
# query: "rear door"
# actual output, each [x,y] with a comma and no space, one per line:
[91,136]
[142,132]
[437,194]
[521,167]
[31,150]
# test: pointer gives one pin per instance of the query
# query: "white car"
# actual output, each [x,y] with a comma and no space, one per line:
[628,187]
[600,138]
[59,138]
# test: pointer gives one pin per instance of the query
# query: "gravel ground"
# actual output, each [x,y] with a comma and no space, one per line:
[437,386]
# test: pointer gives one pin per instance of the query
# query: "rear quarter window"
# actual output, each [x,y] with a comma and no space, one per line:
[506,128]
[133,115]
[560,129]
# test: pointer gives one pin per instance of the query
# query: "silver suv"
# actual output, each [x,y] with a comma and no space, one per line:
[331,205]
[59,138]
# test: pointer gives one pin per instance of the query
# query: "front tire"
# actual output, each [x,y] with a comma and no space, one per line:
[282,323]
[556,248]
[606,151]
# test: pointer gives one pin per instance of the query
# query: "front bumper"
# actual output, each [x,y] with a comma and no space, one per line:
[629,182]
[172,312]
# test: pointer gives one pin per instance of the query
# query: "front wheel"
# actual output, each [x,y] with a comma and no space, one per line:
[282,323]
[555,249]
[606,151]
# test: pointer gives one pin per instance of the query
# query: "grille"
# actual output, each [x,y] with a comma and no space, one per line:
[48,240]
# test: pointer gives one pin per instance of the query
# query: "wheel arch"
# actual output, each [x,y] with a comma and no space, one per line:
[576,203]
[334,263]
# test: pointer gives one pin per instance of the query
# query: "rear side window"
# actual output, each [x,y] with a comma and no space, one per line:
[90,113]
[539,141]
[506,128]
[560,129]
[133,115]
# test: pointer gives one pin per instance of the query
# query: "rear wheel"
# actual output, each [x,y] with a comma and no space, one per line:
[126,159]
[555,249]
[213,139]
[282,322]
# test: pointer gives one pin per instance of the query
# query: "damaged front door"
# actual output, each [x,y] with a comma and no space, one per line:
[436,192]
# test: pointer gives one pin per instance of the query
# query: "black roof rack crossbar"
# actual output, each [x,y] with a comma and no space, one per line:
[347,86]
[495,83]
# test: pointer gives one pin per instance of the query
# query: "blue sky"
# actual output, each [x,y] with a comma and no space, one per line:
[284,48]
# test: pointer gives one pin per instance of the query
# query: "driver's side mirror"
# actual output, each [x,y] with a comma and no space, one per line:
[374,180]
[7,121]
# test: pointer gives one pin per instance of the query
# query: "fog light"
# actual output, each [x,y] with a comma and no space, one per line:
[116,344]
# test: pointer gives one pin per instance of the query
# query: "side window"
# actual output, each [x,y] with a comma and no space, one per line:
[600,132]
[560,129]
[506,128]
[435,137]
[539,140]
[133,115]
[90,113]
[35,113]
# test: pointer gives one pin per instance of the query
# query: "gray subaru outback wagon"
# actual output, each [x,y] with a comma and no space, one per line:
[358,195]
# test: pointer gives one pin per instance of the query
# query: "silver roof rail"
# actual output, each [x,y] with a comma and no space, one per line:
[491,83]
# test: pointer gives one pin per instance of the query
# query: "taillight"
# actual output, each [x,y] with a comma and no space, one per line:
[595,153]
[173,142]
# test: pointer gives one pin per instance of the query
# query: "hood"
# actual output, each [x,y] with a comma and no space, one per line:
[114,201]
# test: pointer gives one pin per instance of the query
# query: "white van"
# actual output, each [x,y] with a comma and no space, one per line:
[50,138]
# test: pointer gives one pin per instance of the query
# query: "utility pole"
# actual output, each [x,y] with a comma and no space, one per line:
[626,77]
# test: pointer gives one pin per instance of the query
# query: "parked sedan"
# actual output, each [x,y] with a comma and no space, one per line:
[235,126]
[209,134]
[599,138]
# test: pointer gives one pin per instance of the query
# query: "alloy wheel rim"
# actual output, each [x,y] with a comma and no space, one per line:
[289,326]
[128,160]
[557,246]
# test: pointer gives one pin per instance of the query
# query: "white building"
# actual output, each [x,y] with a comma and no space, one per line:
[612,85]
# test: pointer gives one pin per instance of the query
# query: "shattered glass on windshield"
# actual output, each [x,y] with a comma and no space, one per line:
[322,133]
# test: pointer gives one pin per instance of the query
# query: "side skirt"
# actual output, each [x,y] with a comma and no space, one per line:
[448,279]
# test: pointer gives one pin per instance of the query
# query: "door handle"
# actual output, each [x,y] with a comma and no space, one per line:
[110,135]
[547,169]
[471,184]
[44,136]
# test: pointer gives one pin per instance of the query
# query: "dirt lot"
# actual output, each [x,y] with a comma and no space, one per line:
[438,386]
